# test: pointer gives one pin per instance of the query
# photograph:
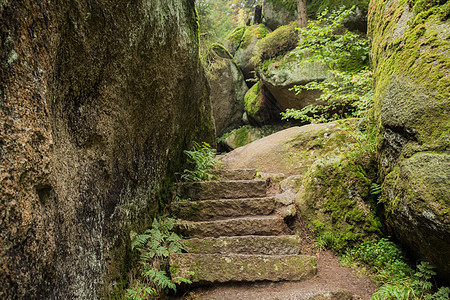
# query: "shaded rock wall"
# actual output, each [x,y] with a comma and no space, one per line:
[228,89]
[279,12]
[97,101]
[411,58]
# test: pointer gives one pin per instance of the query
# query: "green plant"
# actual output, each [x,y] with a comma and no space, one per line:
[348,90]
[418,286]
[387,262]
[154,247]
[326,240]
[203,160]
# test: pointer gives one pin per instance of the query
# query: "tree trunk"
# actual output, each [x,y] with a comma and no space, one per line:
[302,16]
[258,15]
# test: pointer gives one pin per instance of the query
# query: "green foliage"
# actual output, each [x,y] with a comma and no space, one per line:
[203,160]
[327,41]
[387,262]
[154,247]
[375,189]
[315,7]
[327,240]
[282,40]
[348,91]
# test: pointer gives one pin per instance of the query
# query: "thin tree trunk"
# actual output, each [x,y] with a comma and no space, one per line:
[302,16]
[258,15]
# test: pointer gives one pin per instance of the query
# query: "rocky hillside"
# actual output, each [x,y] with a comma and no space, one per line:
[97,101]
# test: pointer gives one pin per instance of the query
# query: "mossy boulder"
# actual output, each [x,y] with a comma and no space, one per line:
[234,39]
[98,100]
[277,43]
[280,75]
[245,51]
[280,69]
[411,57]
[260,106]
[221,51]
[228,89]
[292,151]
[417,198]
[279,12]
[335,201]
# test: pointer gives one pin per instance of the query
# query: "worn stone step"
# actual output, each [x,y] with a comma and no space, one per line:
[260,225]
[236,174]
[214,268]
[231,189]
[253,244]
[219,209]
[279,291]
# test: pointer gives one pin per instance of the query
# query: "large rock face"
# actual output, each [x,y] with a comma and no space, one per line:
[97,101]
[228,89]
[291,151]
[246,49]
[411,57]
[283,74]
[279,12]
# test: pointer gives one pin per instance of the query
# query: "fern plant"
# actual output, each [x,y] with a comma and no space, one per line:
[203,161]
[154,247]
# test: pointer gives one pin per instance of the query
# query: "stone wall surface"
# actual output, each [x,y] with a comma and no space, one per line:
[411,59]
[97,101]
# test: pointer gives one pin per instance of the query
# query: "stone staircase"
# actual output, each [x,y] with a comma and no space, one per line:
[238,234]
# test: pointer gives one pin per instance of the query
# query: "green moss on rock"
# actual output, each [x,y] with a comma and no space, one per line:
[411,58]
[282,40]
[259,31]
[337,202]
[252,100]
[411,49]
[234,38]
[221,51]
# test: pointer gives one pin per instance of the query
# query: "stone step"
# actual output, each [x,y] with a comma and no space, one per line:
[231,189]
[236,174]
[260,225]
[214,268]
[252,244]
[280,290]
[219,209]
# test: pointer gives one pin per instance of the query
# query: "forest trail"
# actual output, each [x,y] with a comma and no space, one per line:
[242,247]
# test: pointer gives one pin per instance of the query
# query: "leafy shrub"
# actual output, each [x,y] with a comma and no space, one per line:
[203,160]
[382,257]
[316,7]
[399,280]
[348,91]
[154,247]
[282,40]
